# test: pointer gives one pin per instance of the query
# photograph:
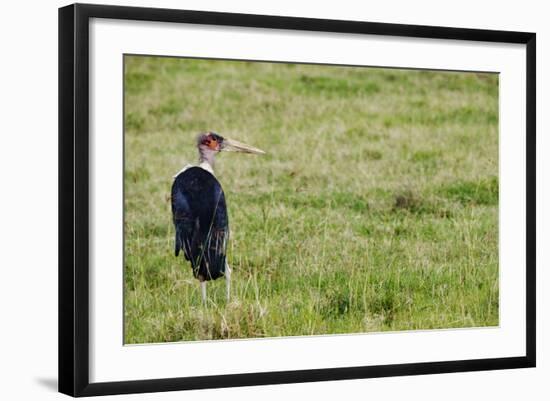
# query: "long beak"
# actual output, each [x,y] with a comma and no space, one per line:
[230,145]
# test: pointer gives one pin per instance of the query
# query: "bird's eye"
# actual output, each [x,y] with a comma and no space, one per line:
[212,144]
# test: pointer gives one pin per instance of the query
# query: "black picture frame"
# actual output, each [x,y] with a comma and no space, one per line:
[74,198]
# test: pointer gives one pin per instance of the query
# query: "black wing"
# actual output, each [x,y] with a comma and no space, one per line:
[200,217]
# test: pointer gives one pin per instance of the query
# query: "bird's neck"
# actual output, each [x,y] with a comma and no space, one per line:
[206,159]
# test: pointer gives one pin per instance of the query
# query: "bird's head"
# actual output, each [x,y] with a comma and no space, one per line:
[210,143]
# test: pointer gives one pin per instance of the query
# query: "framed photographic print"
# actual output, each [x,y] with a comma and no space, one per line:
[250,199]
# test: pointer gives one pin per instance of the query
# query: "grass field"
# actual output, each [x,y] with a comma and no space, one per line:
[375,208]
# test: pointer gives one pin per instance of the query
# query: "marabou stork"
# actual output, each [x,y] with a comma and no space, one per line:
[199,212]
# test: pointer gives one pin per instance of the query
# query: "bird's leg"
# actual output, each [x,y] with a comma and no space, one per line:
[227,282]
[203,291]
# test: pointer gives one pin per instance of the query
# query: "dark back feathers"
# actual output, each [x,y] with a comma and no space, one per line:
[200,218]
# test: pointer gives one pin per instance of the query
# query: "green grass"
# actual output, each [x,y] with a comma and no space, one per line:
[375,208]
